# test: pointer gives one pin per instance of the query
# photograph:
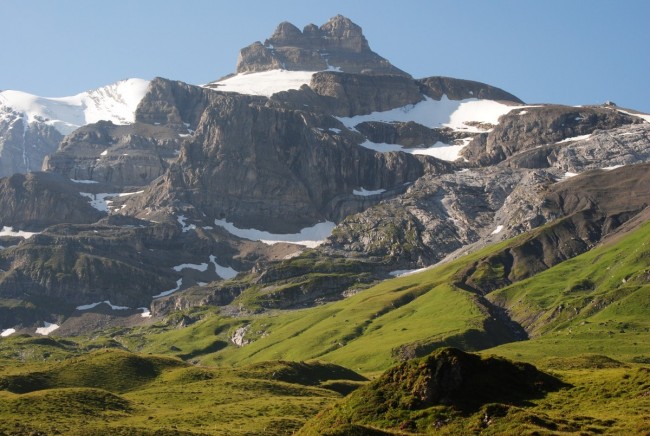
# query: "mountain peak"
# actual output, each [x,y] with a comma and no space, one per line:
[337,45]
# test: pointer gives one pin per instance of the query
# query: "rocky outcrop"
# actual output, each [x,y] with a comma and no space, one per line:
[458,89]
[524,129]
[338,44]
[130,155]
[409,134]
[23,145]
[124,260]
[36,200]
[173,104]
[347,95]
[624,145]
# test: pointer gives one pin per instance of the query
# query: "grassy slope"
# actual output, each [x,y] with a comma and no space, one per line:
[598,302]
[359,332]
[119,392]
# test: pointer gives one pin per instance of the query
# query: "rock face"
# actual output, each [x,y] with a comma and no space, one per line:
[524,129]
[338,44]
[458,89]
[23,145]
[250,162]
[36,200]
[131,155]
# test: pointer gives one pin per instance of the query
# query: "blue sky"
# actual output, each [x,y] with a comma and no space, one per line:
[550,51]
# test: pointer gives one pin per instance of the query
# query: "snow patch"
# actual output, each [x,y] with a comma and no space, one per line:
[9,231]
[186,228]
[574,138]
[225,272]
[309,236]
[145,312]
[406,272]
[497,230]
[7,332]
[613,167]
[49,328]
[199,267]
[107,302]
[179,283]
[99,201]
[366,193]
[264,83]
[439,150]
[83,181]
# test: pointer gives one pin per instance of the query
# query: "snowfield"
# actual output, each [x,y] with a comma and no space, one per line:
[309,236]
[264,83]
[8,231]
[116,103]
[436,114]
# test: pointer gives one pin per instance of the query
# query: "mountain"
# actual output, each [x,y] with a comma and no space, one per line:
[31,127]
[320,203]
[172,187]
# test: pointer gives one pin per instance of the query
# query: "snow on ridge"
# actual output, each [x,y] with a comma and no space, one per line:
[646,117]
[265,83]
[47,329]
[309,236]
[9,231]
[179,283]
[366,193]
[116,102]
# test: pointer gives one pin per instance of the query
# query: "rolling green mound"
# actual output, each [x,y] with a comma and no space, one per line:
[419,394]
[115,371]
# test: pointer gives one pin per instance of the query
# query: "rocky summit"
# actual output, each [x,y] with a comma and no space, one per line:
[337,45]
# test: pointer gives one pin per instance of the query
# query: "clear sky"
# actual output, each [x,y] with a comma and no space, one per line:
[551,51]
